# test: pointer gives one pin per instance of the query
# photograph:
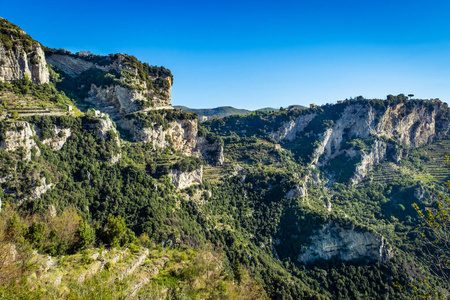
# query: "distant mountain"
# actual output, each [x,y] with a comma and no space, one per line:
[268,109]
[223,111]
[215,112]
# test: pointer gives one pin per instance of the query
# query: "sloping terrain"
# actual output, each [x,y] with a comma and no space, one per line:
[296,204]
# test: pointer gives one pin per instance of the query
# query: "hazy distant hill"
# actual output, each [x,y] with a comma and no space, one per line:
[224,111]
[218,111]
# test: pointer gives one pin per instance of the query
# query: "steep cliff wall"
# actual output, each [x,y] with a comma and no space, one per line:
[403,122]
[182,180]
[334,241]
[20,55]
[173,129]
[19,135]
[116,84]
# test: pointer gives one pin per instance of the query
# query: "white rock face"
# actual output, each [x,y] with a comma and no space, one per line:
[18,61]
[182,135]
[376,155]
[70,65]
[115,99]
[37,191]
[411,125]
[61,136]
[299,191]
[334,241]
[19,134]
[355,121]
[104,126]
[289,130]
[182,180]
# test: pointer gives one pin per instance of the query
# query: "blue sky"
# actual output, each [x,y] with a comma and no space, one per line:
[253,54]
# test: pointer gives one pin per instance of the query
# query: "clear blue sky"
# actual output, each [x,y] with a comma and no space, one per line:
[253,54]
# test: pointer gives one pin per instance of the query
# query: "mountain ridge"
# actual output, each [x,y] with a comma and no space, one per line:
[287,204]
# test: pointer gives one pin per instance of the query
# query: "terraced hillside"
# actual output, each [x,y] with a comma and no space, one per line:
[28,105]
[425,164]
[133,274]
[437,165]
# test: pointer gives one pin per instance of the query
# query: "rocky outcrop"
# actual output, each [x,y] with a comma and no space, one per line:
[179,134]
[104,127]
[20,55]
[115,99]
[212,152]
[37,191]
[19,135]
[133,86]
[376,155]
[182,180]
[300,191]
[289,130]
[336,242]
[408,123]
[60,137]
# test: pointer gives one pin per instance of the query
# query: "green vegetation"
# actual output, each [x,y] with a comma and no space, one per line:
[121,230]
[13,38]
[156,118]
[215,112]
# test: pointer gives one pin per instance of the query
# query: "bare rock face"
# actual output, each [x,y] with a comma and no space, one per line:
[105,127]
[182,180]
[410,124]
[181,134]
[300,191]
[135,87]
[60,137]
[376,155]
[19,135]
[290,129]
[115,99]
[37,191]
[20,55]
[345,244]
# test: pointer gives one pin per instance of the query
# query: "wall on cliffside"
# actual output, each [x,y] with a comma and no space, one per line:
[20,55]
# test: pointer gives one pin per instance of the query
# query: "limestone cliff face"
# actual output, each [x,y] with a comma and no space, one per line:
[404,123]
[20,55]
[181,135]
[115,99]
[291,128]
[19,135]
[136,86]
[37,190]
[334,241]
[376,155]
[60,137]
[182,180]
[105,127]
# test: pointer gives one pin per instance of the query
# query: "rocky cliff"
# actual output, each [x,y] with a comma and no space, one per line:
[173,129]
[19,136]
[182,180]
[406,123]
[20,55]
[116,84]
[334,241]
